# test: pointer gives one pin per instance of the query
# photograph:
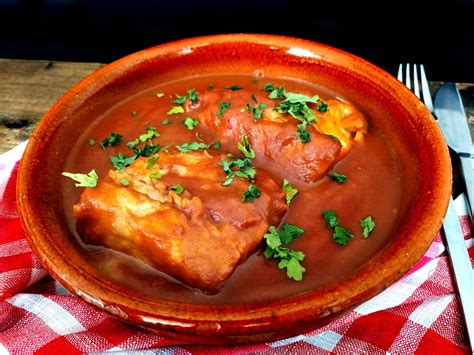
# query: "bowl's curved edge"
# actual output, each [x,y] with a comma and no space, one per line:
[306,313]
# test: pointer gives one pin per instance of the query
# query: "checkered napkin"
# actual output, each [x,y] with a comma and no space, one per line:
[420,313]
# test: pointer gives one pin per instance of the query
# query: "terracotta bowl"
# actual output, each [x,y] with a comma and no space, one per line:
[394,109]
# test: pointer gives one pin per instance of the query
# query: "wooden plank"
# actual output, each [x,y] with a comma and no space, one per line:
[28,89]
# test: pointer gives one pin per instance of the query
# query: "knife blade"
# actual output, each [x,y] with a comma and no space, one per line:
[449,110]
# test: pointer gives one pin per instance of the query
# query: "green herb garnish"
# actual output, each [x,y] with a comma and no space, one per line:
[290,191]
[178,188]
[256,111]
[156,176]
[245,148]
[165,122]
[124,182]
[251,194]
[180,100]
[190,123]
[288,259]
[368,225]
[84,180]
[112,140]
[175,110]
[192,146]
[192,96]
[340,235]
[340,178]
[120,161]
[211,87]
[217,145]
[152,161]
[233,87]
[223,107]
[134,113]
[91,141]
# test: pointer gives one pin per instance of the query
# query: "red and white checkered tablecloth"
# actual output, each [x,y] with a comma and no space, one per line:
[419,313]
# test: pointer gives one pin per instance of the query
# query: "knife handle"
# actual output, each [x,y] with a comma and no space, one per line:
[466,167]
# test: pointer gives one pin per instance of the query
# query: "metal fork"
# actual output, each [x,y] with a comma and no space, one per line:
[460,262]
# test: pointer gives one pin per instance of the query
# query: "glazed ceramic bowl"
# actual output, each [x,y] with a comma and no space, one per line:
[415,137]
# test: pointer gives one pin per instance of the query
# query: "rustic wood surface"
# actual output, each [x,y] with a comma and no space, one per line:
[28,88]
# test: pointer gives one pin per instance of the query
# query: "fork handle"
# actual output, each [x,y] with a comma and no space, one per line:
[466,167]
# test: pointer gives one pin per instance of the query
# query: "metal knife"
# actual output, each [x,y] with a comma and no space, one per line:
[449,110]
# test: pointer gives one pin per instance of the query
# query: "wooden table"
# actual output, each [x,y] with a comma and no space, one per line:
[28,88]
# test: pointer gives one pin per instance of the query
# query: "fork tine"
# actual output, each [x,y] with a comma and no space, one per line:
[425,89]
[400,73]
[407,77]
[416,86]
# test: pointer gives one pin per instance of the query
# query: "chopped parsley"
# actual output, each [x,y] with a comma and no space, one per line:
[233,87]
[175,110]
[340,178]
[257,110]
[303,133]
[340,235]
[84,180]
[124,182]
[91,141]
[239,167]
[290,191]
[223,107]
[192,146]
[165,122]
[192,96]
[152,161]
[288,259]
[180,100]
[251,194]
[211,87]
[217,145]
[156,176]
[112,140]
[190,123]
[178,188]
[134,113]
[148,148]
[368,225]
[120,161]
[245,148]
[275,93]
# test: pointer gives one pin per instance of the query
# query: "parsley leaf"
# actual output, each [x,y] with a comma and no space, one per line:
[180,100]
[217,145]
[303,133]
[178,188]
[175,110]
[330,218]
[152,161]
[91,141]
[84,180]
[257,110]
[368,225]
[233,87]
[112,140]
[223,107]
[149,148]
[245,148]
[120,161]
[211,87]
[342,235]
[290,191]
[192,96]
[124,182]
[237,168]
[289,232]
[190,123]
[251,194]
[340,178]
[156,176]
[288,259]
[192,146]
[268,87]
[165,122]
